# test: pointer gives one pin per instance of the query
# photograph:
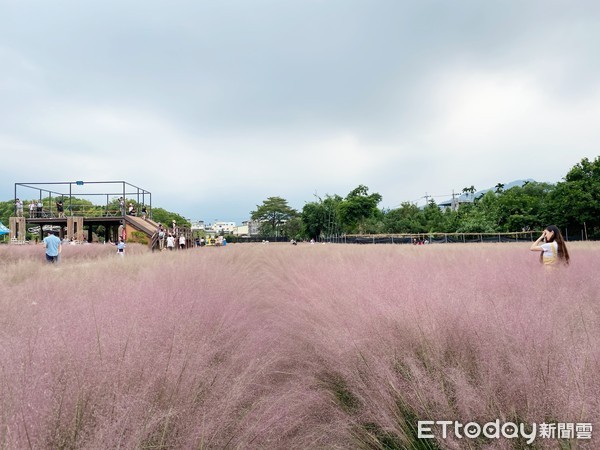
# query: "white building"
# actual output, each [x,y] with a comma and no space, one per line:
[242,230]
[223,227]
[197,225]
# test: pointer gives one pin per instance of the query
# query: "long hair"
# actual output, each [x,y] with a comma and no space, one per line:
[563,253]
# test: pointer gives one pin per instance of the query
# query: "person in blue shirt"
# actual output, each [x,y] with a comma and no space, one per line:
[121,247]
[53,247]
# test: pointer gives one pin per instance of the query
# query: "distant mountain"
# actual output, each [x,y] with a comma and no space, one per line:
[469,197]
[507,186]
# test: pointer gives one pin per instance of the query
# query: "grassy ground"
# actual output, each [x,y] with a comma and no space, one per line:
[280,346]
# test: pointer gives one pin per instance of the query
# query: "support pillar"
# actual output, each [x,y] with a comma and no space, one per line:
[18,229]
[75,228]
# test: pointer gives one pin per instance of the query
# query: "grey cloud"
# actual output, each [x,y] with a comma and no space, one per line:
[305,69]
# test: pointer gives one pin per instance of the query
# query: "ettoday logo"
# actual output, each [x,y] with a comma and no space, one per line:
[508,430]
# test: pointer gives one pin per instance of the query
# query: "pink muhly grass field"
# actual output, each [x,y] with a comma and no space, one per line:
[279,346]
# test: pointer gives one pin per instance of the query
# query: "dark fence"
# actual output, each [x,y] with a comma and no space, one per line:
[439,238]
[240,239]
[419,238]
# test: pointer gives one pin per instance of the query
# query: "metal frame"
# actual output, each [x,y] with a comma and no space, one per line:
[126,190]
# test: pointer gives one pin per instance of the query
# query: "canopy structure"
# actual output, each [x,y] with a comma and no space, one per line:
[88,190]
[3,229]
[72,209]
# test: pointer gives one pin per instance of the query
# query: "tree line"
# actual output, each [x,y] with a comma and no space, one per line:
[572,204]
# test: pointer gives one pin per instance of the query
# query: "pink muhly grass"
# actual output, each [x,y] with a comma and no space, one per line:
[275,346]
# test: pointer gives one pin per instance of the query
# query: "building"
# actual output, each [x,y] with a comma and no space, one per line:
[197,225]
[253,227]
[241,230]
[223,227]
[247,228]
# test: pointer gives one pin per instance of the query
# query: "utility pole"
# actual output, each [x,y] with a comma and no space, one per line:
[453,201]
[427,199]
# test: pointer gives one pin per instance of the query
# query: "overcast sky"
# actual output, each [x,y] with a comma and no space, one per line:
[215,106]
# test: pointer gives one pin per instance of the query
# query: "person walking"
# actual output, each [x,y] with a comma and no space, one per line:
[182,242]
[53,247]
[552,247]
[161,237]
[170,242]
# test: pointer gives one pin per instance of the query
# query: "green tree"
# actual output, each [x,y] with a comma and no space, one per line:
[375,223]
[273,212]
[321,218]
[292,228]
[478,217]
[165,217]
[408,218]
[313,219]
[469,190]
[7,210]
[358,206]
[575,203]
[523,207]
[434,218]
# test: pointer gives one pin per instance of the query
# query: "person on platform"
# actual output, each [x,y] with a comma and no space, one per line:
[19,207]
[60,209]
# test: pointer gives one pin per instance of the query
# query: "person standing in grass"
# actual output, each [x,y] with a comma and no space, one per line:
[552,246]
[121,247]
[53,247]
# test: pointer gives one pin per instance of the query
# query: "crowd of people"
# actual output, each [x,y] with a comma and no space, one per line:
[36,208]
[170,238]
